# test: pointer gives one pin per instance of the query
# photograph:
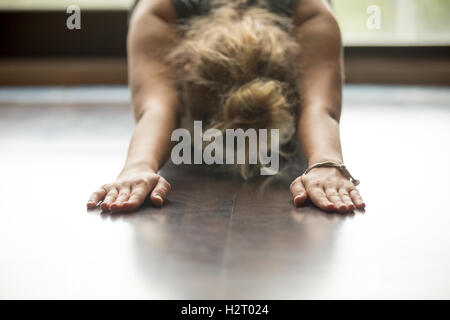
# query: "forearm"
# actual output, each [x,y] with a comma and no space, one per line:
[319,137]
[150,144]
[320,86]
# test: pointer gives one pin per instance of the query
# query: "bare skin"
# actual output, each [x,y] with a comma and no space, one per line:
[156,110]
[318,127]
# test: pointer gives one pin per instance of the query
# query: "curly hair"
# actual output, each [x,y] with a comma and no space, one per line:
[235,70]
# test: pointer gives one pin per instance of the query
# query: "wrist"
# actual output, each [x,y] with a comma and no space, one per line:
[334,166]
[140,166]
[314,160]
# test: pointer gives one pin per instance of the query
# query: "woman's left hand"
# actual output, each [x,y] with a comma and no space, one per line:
[328,189]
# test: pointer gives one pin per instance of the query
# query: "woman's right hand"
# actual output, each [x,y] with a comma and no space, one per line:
[129,190]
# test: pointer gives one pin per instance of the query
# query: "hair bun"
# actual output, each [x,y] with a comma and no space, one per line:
[260,103]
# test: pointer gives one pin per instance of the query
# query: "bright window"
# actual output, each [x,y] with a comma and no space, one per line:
[61,4]
[363,22]
[394,22]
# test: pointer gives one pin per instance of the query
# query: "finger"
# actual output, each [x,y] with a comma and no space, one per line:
[137,197]
[298,191]
[346,199]
[334,197]
[357,200]
[96,197]
[124,195]
[319,198]
[159,193]
[109,199]
[138,194]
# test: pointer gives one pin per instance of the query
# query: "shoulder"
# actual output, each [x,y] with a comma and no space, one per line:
[307,9]
[163,9]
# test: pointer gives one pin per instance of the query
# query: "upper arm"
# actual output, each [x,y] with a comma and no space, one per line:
[164,9]
[315,23]
[151,35]
[306,10]
[151,23]
[321,56]
[171,10]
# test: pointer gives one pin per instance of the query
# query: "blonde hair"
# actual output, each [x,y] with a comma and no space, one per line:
[235,70]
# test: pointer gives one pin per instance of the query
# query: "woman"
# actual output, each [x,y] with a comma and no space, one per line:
[235,64]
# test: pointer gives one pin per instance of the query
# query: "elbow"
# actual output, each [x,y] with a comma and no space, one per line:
[319,114]
[334,114]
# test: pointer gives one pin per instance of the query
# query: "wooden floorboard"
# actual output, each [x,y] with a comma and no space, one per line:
[219,236]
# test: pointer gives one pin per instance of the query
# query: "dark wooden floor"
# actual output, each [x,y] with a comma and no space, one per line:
[218,236]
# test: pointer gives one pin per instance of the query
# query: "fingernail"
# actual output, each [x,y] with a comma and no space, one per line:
[157,196]
[297,199]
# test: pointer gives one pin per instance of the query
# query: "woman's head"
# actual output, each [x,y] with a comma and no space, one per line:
[235,70]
